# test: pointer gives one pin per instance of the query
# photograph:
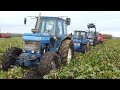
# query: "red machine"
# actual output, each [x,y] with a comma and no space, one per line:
[4,35]
[100,38]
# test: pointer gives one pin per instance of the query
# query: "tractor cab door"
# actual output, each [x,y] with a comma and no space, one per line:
[50,28]
[57,35]
[60,31]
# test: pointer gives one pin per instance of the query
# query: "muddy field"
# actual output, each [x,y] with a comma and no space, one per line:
[101,62]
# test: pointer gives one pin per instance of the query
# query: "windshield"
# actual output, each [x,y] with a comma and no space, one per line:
[90,34]
[79,35]
[47,26]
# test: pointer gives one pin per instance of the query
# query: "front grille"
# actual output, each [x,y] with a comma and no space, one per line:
[29,45]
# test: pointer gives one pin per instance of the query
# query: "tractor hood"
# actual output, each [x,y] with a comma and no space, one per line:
[80,41]
[77,40]
[42,37]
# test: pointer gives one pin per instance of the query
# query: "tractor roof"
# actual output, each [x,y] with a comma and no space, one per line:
[79,31]
[91,25]
[50,17]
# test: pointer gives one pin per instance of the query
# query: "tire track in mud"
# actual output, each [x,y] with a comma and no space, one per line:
[32,75]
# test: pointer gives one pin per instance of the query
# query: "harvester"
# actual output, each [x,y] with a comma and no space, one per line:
[100,38]
[46,48]
[92,35]
[5,35]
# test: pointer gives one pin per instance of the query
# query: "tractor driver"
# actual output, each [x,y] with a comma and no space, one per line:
[90,35]
[79,35]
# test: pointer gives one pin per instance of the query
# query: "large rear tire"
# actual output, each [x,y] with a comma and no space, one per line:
[88,46]
[49,61]
[94,43]
[9,57]
[84,49]
[66,51]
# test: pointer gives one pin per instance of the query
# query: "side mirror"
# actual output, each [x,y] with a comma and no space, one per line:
[25,20]
[68,20]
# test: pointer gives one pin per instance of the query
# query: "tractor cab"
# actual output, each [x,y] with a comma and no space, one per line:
[47,34]
[80,35]
[92,34]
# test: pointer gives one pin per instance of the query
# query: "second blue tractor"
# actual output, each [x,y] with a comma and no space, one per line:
[81,43]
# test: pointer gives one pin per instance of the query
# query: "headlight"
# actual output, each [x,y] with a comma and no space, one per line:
[23,51]
[32,51]
[38,52]
[76,44]
[91,40]
[91,43]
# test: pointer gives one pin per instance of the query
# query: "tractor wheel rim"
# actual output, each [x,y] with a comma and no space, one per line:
[69,56]
[53,65]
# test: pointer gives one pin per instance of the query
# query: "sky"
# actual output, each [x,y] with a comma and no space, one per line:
[107,22]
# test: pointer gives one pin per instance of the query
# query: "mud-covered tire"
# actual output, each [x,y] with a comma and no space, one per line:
[88,46]
[45,63]
[100,42]
[9,57]
[95,42]
[63,51]
[84,49]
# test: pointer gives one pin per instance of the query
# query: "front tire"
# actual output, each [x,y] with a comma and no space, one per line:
[88,46]
[84,49]
[49,61]
[9,57]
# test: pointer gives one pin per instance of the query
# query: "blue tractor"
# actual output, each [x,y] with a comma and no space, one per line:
[92,35]
[81,43]
[46,48]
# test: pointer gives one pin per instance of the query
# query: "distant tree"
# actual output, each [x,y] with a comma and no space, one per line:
[15,34]
[107,36]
